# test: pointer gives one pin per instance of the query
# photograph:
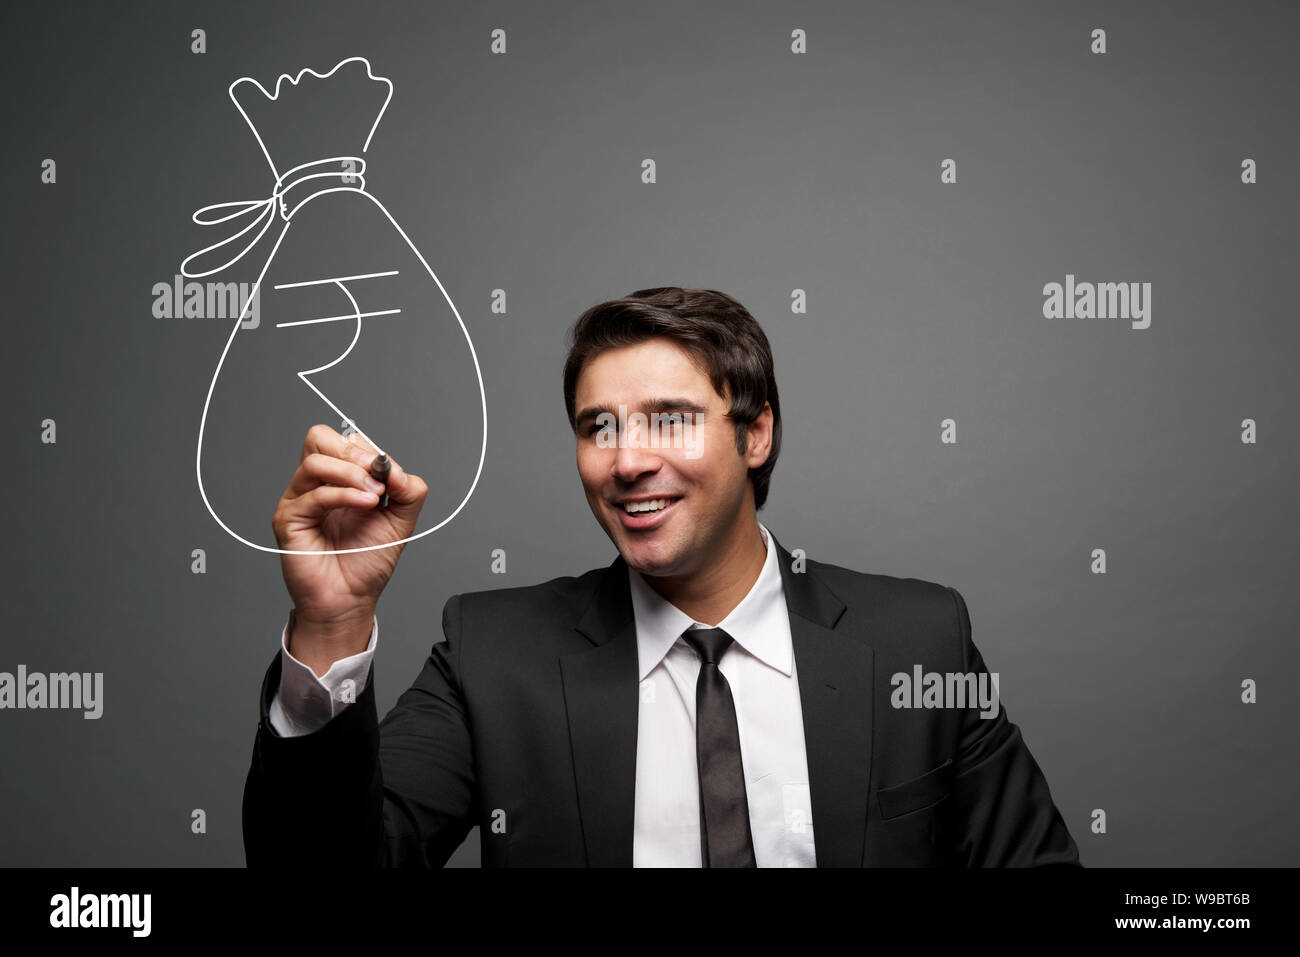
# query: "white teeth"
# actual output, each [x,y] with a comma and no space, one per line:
[651,506]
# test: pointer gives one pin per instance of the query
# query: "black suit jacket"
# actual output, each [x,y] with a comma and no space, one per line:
[524,722]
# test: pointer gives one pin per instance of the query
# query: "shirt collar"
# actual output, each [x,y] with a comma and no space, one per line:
[659,623]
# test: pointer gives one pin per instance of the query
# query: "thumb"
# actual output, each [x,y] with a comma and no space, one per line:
[406,492]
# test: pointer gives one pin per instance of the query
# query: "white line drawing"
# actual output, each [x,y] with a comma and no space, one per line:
[352,171]
[355,336]
[356,315]
[321,282]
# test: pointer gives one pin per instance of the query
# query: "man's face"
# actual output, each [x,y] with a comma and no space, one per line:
[696,465]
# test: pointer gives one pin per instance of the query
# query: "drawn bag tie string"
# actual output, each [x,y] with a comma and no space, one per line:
[343,172]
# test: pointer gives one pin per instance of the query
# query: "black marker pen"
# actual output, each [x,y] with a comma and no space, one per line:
[379,470]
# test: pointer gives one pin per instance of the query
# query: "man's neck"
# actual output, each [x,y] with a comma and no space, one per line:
[710,596]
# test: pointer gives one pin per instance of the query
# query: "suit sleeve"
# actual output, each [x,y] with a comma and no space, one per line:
[358,793]
[1004,813]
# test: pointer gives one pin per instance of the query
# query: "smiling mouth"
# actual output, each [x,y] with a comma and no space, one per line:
[647,519]
[651,506]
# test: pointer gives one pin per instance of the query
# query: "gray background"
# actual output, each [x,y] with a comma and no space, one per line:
[775,172]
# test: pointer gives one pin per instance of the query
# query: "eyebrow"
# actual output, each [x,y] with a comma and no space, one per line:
[650,406]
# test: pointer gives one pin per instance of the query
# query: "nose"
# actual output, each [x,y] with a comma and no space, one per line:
[633,458]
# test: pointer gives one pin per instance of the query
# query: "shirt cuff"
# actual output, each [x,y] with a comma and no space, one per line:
[304,702]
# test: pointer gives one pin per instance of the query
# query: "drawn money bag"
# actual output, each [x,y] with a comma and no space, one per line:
[353,328]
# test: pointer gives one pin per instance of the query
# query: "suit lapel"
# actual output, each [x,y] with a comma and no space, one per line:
[835,691]
[835,695]
[602,703]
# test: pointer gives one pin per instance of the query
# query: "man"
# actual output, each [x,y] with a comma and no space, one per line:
[706,699]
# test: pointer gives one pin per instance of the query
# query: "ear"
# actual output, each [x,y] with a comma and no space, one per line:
[759,438]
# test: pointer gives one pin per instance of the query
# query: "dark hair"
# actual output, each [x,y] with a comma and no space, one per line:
[723,338]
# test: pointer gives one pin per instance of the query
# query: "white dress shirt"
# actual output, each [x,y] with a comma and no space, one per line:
[760,669]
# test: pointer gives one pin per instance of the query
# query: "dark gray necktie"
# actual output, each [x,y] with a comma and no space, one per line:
[725,839]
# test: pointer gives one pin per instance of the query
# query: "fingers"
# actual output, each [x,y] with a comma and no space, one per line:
[358,441]
[318,469]
[325,497]
[404,489]
[323,439]
[332,459]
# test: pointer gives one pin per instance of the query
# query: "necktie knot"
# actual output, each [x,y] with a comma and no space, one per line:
[709,643]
